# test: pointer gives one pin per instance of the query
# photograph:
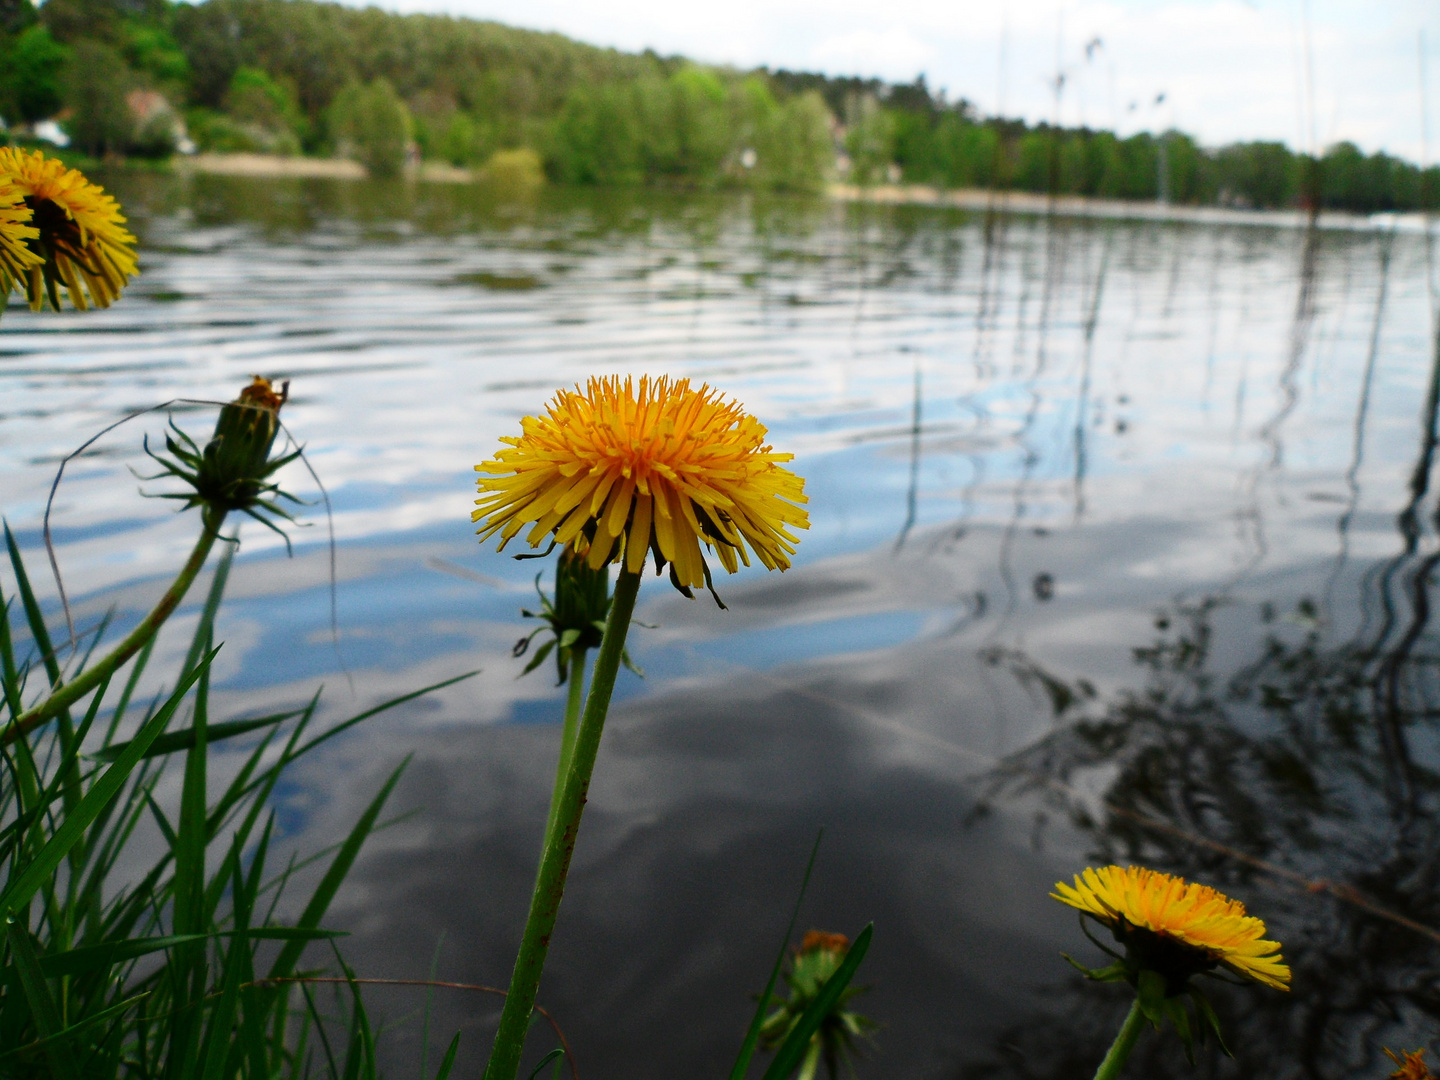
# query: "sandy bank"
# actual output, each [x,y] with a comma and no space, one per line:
[325,168]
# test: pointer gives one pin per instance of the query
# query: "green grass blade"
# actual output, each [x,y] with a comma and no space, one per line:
[32,610]
[9,674]
[319,1025]
[752,1036]
[137,669]
[205,629]
[72,829]
[190,838]
[63,726]
[42,1005]
[330,883]
[346,725]
[553,1055]
[172,742]
[107,954]
[90,958]
[100,1017]
[448,1061]
[792,1050]
[220,1033]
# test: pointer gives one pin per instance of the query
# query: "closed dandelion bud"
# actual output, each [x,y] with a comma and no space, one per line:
[233,470]
[234,463]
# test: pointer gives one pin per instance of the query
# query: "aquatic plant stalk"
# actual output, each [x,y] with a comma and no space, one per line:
[1123,1044]
[560,838]
[63,695]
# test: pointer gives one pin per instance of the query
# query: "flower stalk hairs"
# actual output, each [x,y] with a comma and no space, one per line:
[232,472]
[73,235]
[615,473]
[1171,931]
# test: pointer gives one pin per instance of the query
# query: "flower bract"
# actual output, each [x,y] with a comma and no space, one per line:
[16,258]
[576,616]
[619,469]
[80,240]
[1183,927]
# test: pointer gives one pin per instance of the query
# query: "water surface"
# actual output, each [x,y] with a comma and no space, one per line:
[1122,546]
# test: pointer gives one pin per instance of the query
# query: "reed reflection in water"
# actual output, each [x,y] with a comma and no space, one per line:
[1040,451]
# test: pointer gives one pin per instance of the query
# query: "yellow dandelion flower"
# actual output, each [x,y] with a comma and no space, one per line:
[81,240]
[618,470]
[1411,1067]
[15,229]
[1179,911]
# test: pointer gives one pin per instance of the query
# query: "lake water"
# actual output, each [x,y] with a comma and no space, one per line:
[1122,547]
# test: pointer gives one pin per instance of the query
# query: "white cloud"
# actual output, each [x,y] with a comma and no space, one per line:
[894,53]
[1231,69]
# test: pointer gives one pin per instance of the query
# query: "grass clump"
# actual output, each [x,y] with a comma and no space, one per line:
[180,968]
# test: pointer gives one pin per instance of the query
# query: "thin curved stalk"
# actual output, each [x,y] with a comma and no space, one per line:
[560,840]
[1123,1044]
[63,695]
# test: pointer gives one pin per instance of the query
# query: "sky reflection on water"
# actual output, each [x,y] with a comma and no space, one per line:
[1032,448]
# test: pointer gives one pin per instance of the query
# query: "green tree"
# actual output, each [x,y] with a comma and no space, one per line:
[151,49]
[266,111]
[30,76]
[596,138]
[95,84]
[1259,174]
[798,151]
[966,154]
[869,140]
[702,123]
[16,16]
[369,122]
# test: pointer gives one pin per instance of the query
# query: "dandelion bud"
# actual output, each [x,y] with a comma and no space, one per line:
[234,463]
[233,471]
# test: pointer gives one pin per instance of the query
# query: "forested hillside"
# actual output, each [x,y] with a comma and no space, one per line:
[300,76]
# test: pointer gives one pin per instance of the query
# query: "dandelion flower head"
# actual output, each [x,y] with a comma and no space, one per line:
[80,238]
[1190,914]
[619,469]
[15,230]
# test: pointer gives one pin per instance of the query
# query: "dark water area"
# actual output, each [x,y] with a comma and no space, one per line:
[1123,547]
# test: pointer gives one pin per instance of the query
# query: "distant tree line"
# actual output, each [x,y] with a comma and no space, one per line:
[934,142]
[302,76]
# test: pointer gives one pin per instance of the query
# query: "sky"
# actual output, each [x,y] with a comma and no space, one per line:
[1228,69]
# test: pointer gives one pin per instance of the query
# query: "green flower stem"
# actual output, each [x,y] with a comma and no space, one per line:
[560,840]
[1123,1044]
[567,734]
[66,694]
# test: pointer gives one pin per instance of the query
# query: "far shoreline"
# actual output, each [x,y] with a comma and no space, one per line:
[974,200]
